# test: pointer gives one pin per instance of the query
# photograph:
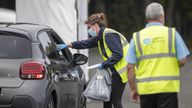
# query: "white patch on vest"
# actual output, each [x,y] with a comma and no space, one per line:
[147,41]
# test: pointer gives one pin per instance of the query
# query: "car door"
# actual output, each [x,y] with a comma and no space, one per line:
[71,75]
[52,63]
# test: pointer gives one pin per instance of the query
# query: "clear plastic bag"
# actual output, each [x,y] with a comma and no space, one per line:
[99,88]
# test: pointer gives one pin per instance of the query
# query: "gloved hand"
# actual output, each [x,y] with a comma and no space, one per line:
[61,46]
[100,67]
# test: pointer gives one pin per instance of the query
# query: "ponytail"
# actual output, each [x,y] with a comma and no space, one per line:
[98,18]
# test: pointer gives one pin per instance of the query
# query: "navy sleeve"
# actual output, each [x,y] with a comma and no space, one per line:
[84,44]
[114,43]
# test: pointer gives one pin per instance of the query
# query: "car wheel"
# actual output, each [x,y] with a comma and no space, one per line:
[51,103]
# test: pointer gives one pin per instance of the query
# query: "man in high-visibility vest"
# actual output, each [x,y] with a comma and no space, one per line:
[159,52]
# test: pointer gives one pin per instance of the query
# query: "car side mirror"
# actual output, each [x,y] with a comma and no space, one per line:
[79,59]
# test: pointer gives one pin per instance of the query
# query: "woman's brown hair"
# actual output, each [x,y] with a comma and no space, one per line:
[98,18]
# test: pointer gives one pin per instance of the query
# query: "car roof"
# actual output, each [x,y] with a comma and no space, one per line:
[28,29]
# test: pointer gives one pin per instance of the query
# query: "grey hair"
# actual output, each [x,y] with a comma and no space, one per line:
[154,11]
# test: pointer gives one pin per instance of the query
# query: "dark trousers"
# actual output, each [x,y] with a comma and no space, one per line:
[116,93]
[161,100]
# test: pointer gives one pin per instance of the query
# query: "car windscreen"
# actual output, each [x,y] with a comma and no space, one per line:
[14,47]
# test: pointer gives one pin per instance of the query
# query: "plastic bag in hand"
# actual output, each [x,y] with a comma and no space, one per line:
[99,88]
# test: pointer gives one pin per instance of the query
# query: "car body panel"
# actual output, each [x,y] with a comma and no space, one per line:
[9,73]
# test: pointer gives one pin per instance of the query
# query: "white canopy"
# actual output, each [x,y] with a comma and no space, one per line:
[61,15]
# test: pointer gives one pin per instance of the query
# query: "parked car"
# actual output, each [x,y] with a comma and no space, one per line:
[33,74]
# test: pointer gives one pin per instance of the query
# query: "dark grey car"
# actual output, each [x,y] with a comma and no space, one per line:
[33,74]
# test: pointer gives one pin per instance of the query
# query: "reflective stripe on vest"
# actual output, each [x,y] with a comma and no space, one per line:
[169,54]
[157,79]
[122,70]
[121,66]
[156,56]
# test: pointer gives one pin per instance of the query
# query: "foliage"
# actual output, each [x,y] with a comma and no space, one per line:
[128,16]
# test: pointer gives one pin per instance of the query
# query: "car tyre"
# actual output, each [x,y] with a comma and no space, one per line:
[51,102]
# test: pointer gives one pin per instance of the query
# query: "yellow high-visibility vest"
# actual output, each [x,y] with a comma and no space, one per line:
[158,69]
[121,66]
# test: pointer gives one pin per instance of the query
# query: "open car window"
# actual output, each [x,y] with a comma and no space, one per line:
[48,45]
[64,53]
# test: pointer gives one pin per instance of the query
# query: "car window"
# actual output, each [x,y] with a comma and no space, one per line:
[65,53]
[48,45]
[14,47]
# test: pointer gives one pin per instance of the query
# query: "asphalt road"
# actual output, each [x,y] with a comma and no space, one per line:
[185,95]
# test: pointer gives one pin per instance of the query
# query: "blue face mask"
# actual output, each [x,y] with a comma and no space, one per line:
[92,33]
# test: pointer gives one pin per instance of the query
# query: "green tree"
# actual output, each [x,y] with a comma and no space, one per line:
[128,16]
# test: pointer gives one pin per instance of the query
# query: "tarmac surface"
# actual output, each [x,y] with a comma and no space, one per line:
[185,95]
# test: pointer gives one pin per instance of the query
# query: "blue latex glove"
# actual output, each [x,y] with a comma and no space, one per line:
[100,67]
[61,46]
